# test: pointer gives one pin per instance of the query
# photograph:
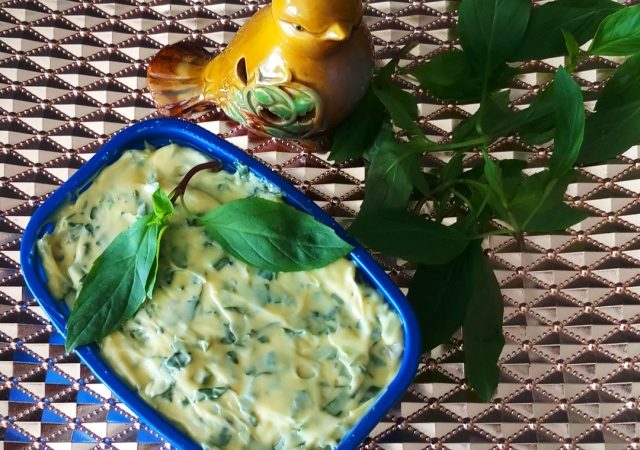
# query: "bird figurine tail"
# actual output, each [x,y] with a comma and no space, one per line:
[175,79]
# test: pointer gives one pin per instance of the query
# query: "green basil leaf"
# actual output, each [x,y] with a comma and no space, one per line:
[531,135]
[482,329]
[553,217]
[424,182]
[491,30]
[401,105]
[408,236]
[163,209]
[213,393]
[448,175]
[493,175]
[539,117]
[451,76]
[615,126]
[512,176]
[153,273]
[440,294]
[452,170]
[535,123]
[573,50]
[538,205]
[570,119]
[496,112]
[622,88]
[162,205]
[273,236]
[543,38]
[116,285]
[498,119]
[394,168]
[527,203]
[357,133]
[618,34]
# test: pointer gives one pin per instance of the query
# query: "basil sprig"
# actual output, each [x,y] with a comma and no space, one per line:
[120,279]
[405,206]
[266,234]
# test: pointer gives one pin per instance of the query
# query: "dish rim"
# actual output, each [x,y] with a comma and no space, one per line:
[159,132]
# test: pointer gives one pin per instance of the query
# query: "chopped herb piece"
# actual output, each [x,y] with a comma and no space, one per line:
[291,332]
[266,274]
[233,357]
[370,393]
[168,394]
[336,406]
[222,262]
[229,337]
[213,393]
[301,401]
[222,440]
[178,360]
[238,309]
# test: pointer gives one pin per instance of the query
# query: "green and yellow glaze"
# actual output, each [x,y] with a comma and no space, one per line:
[282,110]
[296,69]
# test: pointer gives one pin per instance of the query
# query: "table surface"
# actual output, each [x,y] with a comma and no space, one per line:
[72,73]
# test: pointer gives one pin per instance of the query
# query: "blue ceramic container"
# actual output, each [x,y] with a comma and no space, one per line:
[159,132]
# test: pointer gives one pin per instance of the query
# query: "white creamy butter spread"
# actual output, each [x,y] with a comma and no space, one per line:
[237,357]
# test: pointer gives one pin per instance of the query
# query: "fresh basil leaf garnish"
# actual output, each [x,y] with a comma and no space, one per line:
[162,205]
[116,285]
[163,209]
[273,236]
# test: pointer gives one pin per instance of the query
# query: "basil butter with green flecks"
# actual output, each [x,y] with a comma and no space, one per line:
[237,357]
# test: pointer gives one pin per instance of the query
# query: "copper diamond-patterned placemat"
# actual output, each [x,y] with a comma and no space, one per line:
[72,73]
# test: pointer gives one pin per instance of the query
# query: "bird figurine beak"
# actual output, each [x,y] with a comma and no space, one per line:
[337,32]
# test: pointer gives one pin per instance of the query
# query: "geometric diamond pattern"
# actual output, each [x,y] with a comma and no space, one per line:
[72,73]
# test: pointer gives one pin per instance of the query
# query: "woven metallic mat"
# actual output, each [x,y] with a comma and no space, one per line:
[73,73]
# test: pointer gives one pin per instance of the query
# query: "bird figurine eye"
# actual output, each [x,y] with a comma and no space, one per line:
[299,28]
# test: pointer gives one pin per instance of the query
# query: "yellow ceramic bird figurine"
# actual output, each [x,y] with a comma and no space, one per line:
[295,69]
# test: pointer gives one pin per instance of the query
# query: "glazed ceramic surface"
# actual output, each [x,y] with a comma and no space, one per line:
[295,69]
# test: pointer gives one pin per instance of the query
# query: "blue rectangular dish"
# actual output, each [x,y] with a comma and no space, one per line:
[159,132]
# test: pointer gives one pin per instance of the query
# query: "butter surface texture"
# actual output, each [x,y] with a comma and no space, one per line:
[237,357]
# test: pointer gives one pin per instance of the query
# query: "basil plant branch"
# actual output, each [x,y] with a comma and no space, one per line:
[454,286]
[266,234]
